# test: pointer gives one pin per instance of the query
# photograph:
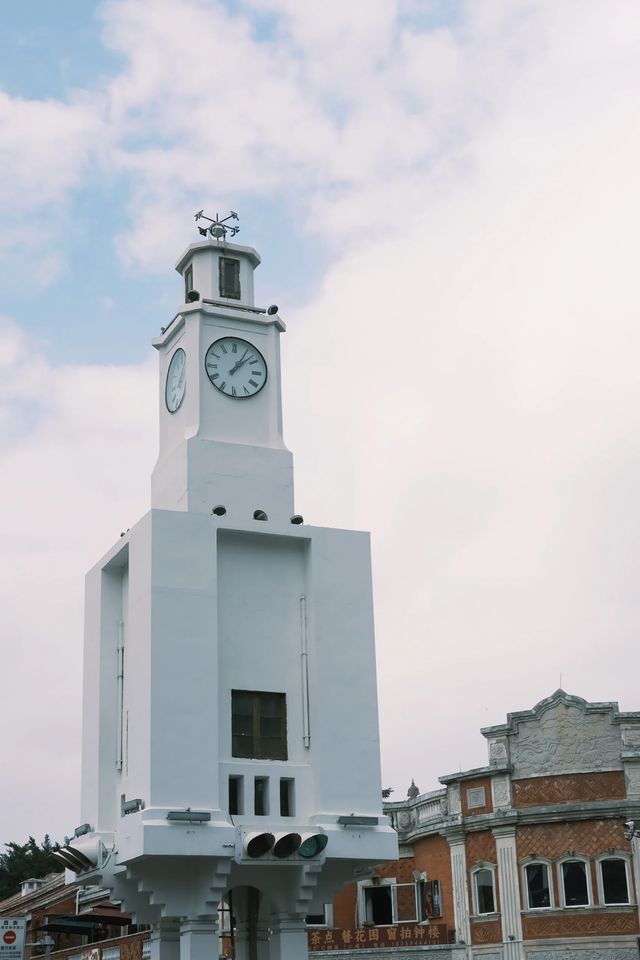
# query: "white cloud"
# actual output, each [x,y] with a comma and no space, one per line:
[46,147]
[77,445]
[467,374]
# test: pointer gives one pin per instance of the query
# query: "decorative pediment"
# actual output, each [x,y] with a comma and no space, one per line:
[563,734]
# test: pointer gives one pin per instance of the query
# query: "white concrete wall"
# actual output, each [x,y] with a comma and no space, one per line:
[205,256]
[212,608]
[213,439]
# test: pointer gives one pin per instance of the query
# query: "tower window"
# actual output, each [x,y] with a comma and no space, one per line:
[188,281]
[229,277]
[287,797]
[236,795]
[261,796]
[258,725]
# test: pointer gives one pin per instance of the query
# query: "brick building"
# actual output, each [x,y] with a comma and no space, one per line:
[528,857]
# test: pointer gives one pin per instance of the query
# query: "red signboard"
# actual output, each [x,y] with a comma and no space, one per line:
[360,938]
[9,936]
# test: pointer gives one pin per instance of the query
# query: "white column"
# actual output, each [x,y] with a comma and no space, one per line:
[288,937]
[460,888]
[165,940]
[199,939]
[510,904]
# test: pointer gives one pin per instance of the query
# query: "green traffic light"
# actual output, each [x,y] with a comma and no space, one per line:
[313,845]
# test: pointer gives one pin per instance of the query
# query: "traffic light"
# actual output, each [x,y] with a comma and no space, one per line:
[312,845]
[257,844]
[283,846]
[81,854]
[286,844]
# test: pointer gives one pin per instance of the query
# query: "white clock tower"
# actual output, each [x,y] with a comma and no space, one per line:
[230,729]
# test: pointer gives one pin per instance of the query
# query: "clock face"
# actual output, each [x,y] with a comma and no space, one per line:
[235,368]
[176,380]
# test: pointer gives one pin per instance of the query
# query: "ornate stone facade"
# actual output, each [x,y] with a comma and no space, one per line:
[564,738]
[562,780]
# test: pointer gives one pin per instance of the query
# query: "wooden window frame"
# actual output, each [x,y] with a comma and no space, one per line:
[254,743]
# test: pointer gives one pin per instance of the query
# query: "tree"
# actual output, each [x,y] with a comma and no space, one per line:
[26,860]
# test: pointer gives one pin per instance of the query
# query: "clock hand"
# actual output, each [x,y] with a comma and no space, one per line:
[240,363]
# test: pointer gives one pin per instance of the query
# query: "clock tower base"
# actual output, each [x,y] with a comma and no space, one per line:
[203,475]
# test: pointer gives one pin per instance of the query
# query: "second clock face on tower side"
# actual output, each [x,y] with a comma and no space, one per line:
[176,380]
[235,367]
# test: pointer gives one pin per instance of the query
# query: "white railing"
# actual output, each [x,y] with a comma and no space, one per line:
[432,808]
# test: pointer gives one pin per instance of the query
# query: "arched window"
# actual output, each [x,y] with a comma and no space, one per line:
[613,880]
[574,882]
[484,893]
[537,885]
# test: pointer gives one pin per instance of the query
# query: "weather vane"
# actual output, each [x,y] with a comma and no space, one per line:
[218,228]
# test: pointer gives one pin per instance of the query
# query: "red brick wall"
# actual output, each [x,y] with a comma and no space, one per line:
[480,846]
[552,840]
[486,931]
[580,925]
[569,788]
[345,914]
[344,907]
[431,854]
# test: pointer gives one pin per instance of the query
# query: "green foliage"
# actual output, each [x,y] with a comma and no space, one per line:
[23,861]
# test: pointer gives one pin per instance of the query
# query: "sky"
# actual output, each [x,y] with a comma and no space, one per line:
[446,199]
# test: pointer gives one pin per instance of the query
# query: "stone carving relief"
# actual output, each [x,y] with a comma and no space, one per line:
[630,737]
[498,752]
[405,820]
[565,739]
[632,777]
[500,792]
[454,801]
